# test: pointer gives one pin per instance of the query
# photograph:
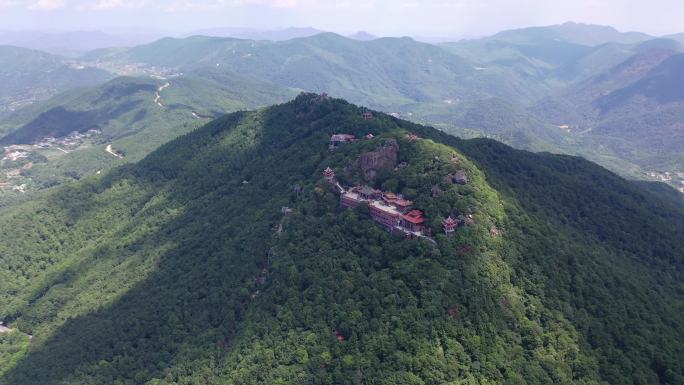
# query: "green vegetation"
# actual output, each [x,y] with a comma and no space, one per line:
[170,271]
[514,86]
[578,89]
[28,75]
[125,113]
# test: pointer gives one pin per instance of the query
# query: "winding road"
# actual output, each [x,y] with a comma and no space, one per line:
[157,95]
[111,151]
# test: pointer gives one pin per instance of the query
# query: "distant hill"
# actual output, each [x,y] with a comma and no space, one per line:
[393,74]
[635,109]
[225,256]
[259,34]
[577,33]
[388,71]
[615,93]
[28,76]
[71,43]
[130,114]
[678,36]
[363,36]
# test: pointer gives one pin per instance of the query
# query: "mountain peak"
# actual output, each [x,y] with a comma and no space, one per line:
[362,36]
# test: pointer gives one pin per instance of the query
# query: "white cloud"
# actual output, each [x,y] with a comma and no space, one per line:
[47,5]
[105,5]
[205,5]
[8,3]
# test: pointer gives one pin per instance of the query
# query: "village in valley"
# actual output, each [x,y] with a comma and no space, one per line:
[17,159]
[673,178]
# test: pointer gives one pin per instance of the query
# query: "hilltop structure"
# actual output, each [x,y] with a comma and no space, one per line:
[338,139]
[391,211]
[449,225]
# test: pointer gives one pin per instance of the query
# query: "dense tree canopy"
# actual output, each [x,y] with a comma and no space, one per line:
[172,271]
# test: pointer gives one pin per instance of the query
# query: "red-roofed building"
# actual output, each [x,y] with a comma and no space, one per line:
[449,225]
[329,174]
[339,336]
[413,221]
[403,204]
[389,198]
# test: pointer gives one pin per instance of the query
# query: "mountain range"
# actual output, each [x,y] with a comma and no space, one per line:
[573,88]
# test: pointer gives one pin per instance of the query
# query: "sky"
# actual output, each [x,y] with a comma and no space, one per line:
[452,18]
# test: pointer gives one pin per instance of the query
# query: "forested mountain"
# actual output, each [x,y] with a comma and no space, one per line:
[28,75]
[387,72]
[186,268]
[414,80]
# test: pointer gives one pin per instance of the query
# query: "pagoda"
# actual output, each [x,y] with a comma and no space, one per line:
[449,225]
[329,174]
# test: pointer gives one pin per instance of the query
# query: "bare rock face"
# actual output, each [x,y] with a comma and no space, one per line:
[383,158]
[436,191]
[460,177]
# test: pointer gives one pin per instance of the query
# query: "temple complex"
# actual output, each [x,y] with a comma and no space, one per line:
[389,210]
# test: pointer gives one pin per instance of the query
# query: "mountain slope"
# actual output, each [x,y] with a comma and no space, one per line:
[27,76]
[417,80]
[577,33]
[388,71]
[633,110]
[174,270]
[132,116]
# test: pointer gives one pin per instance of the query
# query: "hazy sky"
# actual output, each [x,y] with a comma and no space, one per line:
[456,18]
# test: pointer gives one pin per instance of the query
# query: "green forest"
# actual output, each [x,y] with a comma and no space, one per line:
[172,270]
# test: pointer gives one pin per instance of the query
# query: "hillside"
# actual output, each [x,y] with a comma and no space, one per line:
[577,33]
[633,111]
[28,76]
[129,116]
[384,72]
[184,268]
[418,81]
